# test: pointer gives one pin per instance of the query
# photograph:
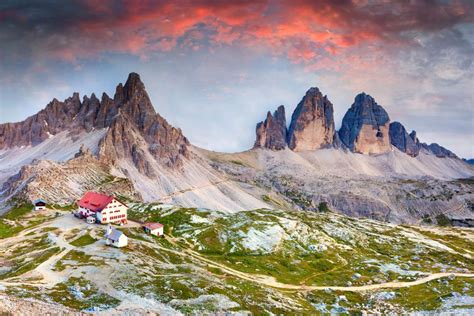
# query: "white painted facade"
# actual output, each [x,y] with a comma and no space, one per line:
[114,212]
[156,231]
[115,238]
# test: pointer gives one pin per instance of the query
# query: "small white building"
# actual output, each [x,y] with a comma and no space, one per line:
[116,238]
[39,204]
[106,209]
[153,229]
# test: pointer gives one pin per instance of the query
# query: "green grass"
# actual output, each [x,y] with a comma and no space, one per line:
[79,259]
[67,207]
[443,220]
[18,211]
[30,265]
[83,241]
[429,296]
[63,293]
[7,230]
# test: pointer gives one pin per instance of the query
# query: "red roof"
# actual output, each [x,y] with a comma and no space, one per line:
[152,226]
[95,201]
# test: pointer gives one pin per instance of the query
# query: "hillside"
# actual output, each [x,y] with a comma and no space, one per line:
[370,168]
[263,262]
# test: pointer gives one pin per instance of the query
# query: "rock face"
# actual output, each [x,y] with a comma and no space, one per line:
[365,127]
[272,132]
[402,140]
[135,129]
[51,180]
[312,123]
[133,126]
[409,143]
[439,151]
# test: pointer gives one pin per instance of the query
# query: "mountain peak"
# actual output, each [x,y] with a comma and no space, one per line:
[365,126]
[312,122]
[271,133]
[133,85]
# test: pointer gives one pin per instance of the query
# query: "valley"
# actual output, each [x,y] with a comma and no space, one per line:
[264,261]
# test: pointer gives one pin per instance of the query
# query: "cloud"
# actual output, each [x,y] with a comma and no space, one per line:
[302,30]
[414,57]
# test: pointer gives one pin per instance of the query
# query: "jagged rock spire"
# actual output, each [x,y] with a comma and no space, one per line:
[400,138]
[271,133]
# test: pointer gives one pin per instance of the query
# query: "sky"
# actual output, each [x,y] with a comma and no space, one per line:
[214,68]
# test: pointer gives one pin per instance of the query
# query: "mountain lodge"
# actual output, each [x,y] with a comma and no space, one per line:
[105,209]
[39,204]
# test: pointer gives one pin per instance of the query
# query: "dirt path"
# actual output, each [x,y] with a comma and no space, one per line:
[272,282]
[176,193]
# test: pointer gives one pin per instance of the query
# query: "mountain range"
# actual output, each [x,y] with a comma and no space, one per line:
[370,167]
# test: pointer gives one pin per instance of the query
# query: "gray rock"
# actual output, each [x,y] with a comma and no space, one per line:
[271,133]
[312,123]
[402,140]
[439,151]
[365,127]
[134,126]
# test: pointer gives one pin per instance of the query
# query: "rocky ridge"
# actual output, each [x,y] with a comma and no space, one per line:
[365,129]
[410,144]
[64,183]
[405,142]
[129,117]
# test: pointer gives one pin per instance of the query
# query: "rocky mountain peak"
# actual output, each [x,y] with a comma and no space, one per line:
[400,138]
[413,137]
[272,132]
[312,122]
[133,85]
[365,126]
[131,105]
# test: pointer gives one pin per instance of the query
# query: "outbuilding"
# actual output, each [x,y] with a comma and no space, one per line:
[39,204]
[115,238]
[153,229]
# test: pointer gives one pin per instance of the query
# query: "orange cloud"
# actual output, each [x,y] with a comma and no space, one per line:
[304,31]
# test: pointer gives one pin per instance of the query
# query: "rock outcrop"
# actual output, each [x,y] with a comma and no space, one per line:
[52,180]
[272,132]
[312,123]
[439,151]
[137,129]
[409,143]
[365,127]
[133,126]
[405,142]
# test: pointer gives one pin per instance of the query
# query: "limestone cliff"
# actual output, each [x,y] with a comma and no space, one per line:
[312,123]
[365,127]
[272,132]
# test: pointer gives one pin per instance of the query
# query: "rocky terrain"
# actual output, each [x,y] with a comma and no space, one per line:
[370,167]
[259,262]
